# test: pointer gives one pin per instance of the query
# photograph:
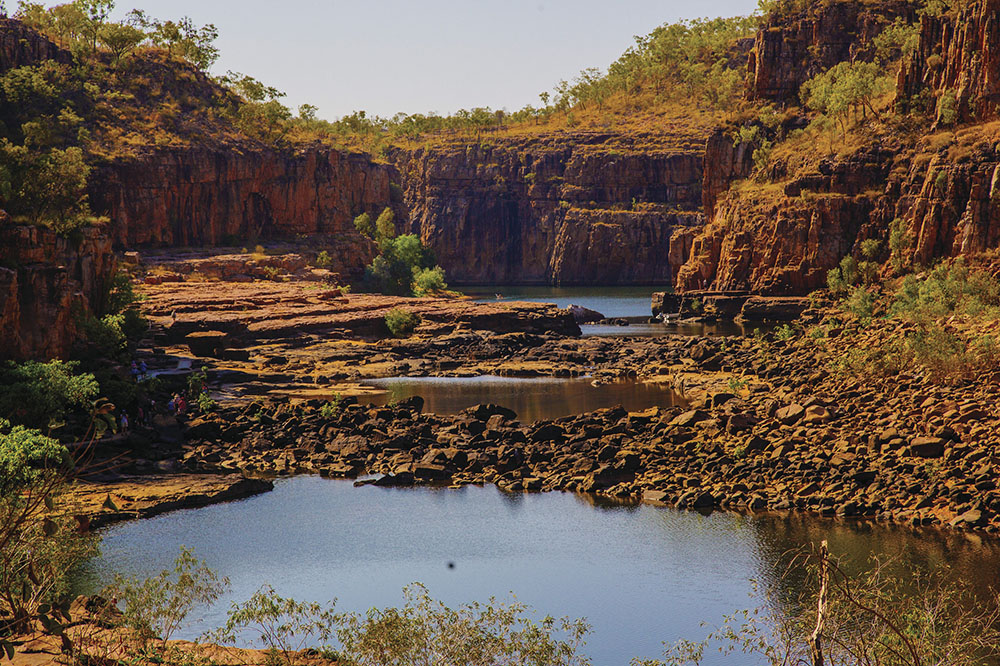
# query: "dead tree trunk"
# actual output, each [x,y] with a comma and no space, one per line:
[816,639]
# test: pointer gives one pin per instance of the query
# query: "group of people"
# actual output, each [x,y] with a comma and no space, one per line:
[143,417]
[178,404]
[139,371]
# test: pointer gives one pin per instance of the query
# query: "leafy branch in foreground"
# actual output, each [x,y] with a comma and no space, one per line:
[156,607]
[423,631]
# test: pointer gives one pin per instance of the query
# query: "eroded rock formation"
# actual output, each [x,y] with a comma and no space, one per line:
[959,53]
[570,208]
[48,281]
[790,50]
[202,196]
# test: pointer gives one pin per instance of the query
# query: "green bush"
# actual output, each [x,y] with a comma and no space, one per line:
[38,548]
[425,631]
[363,223]
[25,455]
[330,407]
[428,281]
[323,260]
[156,607]
[43,395]
[400,259]
[385,226]
[283,626]
[401,322]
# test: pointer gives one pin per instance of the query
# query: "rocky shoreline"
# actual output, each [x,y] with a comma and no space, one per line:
[768,426]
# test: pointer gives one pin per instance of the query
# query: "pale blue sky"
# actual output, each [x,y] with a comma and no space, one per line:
[386,56]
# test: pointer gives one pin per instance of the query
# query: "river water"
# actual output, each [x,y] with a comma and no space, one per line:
[630,303]
[640,574]
[532,398]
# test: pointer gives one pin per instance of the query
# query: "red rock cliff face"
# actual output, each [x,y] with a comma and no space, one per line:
[948,209]
[775,246]
[20,46]
[45,281]
[201,196]
[789,50]
[576,208]
[960,53]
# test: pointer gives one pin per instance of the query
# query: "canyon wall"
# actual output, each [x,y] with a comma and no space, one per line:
[565,208]
[959,53]
[47,281]
[20,46]
[941,190]
[205,197]
[790,49]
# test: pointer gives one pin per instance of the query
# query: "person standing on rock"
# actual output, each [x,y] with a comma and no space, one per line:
[124,422]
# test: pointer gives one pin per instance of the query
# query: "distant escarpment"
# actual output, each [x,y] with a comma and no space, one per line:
[47,282]
[562,208]
[192,196]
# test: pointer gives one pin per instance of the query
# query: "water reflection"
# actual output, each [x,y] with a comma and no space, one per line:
[640,574]
[531,398]
[609,301]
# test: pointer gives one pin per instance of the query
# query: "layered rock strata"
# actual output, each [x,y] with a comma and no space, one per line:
[206,197]
[563,208]
[48,282]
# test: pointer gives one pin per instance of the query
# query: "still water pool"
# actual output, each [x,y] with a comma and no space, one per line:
[532,398]
[640,574]
[609,301]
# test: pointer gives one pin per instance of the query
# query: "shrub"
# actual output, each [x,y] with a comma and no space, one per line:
[323,260]
[900,245]
[42,395]
[784,332]
[428,281]
[385,226]
[330,407]
[363,223]
[38,549]
[860,302]
[281,625]
[425,631]
[157,606]
[401,322]
[947,108]
[392,272]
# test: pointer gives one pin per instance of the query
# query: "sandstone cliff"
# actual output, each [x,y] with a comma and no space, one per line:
[569,208]
[960,53]
[20,46]
[202,196]
[46,282]
[792,48]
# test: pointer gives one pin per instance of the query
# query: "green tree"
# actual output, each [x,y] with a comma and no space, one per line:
[45,187]
[363,223]
[846,89]
[96,13]
[38,548]
[121,39]
[157,606]
[385,226]
[42,395]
